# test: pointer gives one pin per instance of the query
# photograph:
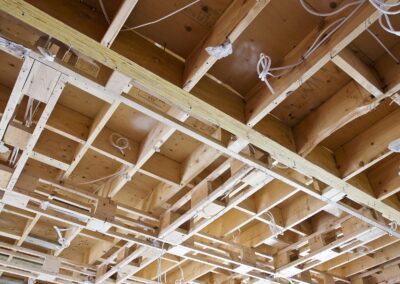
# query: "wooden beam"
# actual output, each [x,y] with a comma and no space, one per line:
[236,18]
[347,104]
[159,87]
[118,22]
[385,178]
[263,102]
[363,74]
[55,94]
[369,146]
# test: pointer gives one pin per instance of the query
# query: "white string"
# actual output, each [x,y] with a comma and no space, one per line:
[264,68]
[120,142]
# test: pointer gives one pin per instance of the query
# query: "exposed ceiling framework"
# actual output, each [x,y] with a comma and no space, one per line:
[132,155]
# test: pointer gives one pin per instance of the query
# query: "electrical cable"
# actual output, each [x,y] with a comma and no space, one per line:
[383,46]
[162,18]
[272,224]
[119,173]
[310,10]
[148,23]
[385,12]
[61,240]
[264,63]
[13,157]
[182,279]
[120,142]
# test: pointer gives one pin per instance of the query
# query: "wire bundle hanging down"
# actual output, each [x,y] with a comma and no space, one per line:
[385,13]
[264,68]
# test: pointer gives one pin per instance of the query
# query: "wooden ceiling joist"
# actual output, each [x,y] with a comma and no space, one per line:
[202,183]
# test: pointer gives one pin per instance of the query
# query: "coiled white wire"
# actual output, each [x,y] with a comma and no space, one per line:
[120,142]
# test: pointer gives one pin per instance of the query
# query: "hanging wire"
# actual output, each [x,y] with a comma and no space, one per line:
[148,23]
[13,157]
[383,46]
[264,69]
[182,279]
[119,173]
[30,112]
[272,224]
[61,240]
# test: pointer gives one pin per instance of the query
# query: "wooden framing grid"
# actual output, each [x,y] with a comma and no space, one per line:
[132,155]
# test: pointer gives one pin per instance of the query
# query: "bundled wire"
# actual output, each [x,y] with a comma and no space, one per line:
[264,69]
[30,112]
[13,157]
[61,240]
[272,224]
[182,279]
[120,142]
[385,13]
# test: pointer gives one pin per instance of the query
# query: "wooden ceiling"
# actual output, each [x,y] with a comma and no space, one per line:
[136,157]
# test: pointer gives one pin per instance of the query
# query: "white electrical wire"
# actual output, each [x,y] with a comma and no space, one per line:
[119,173]
[272,224]
[61,240]
[383,46]
[182,279]
[148,23]
[393,225]
[30,112]
[385,11]
[162,18]
[13,157]
[120,142]
[103,9]
[264,68]
[310,10]
[159,267]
